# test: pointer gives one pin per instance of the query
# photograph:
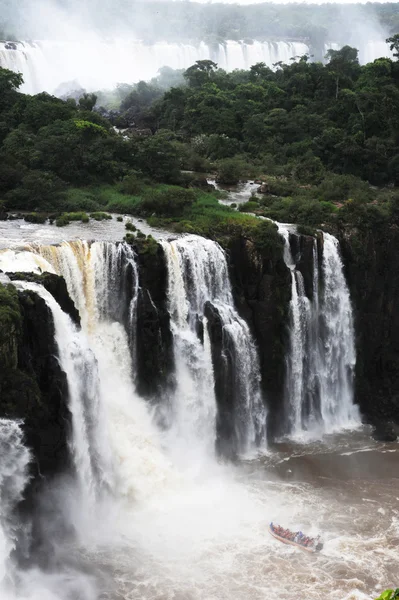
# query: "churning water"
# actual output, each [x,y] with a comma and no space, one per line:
[155,515]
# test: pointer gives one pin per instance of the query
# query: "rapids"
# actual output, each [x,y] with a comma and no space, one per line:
[151,513]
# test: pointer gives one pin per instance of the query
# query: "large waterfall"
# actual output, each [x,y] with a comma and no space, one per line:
[148,509]
[321,360]
[198,275]
[94,64]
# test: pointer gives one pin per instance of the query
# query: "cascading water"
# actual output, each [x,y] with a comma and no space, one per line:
[14,477]
[94,64]
[198,274]
[321,361]
[90,449]
[167,533]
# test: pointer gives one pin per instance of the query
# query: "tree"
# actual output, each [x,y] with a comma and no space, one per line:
[394,44]
[9,84]
[200,73]
[343,64]
[88,101]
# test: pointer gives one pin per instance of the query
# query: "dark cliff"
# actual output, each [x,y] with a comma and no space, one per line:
[371,261]
[262,291]
[33,386]
[154,342]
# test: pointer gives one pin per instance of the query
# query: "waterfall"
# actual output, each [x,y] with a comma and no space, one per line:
[198,275]
[321,359]
[89,446]
[95,64]
[14,477]
[114,440]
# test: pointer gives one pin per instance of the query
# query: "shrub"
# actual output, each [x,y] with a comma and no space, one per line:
[100,216]
[306,230]
[35,218]
[249,206]
[62,220]
[130,226]
[77,216]
[119,219]
[168,202]
[230,170]
[131,185]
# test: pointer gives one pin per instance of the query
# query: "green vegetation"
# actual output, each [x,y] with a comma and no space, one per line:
[321,139]
[100,216]
[10,325]
[389,595]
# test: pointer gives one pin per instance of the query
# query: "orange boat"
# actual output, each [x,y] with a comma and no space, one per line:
[295,538]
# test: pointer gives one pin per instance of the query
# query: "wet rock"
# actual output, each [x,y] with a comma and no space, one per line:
[154,350]
[226,440]
[34,388]
[385,432]
[371,265]
[56,286]
[302,247]
[261,289]
[263,188]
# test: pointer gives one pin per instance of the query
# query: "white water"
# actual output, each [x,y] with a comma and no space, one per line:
[164,532]
[321,362]
[95,64]
[13,479]
[198,274]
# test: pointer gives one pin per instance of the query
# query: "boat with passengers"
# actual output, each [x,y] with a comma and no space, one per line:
[296,538]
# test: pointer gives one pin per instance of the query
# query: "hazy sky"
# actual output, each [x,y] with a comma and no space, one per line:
[286,1]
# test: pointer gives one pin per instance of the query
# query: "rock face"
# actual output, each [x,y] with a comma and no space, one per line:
[226,439]
[261,289]
[32,385]
[371,260]
[154,349]
[56,286]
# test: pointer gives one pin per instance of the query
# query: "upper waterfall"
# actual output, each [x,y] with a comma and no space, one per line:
[95,64]
[322,357]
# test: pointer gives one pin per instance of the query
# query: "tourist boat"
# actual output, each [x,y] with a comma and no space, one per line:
[293,539]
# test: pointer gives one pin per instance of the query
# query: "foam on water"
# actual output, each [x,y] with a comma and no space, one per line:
[160,531]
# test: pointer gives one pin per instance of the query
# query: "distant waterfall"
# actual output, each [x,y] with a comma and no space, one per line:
[95,64]
[198,275]
[321,360]
[14,477]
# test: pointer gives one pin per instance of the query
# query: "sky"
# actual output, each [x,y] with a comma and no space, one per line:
[286,1]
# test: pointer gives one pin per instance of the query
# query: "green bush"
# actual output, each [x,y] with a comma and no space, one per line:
[77,216]
[62,220]
[35,218]
[131,185]
[306,230]
[169,202]
[100,216]
[389,595]
[230,170]
[119,219]
[130,226]
[75,200]
[250,206]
